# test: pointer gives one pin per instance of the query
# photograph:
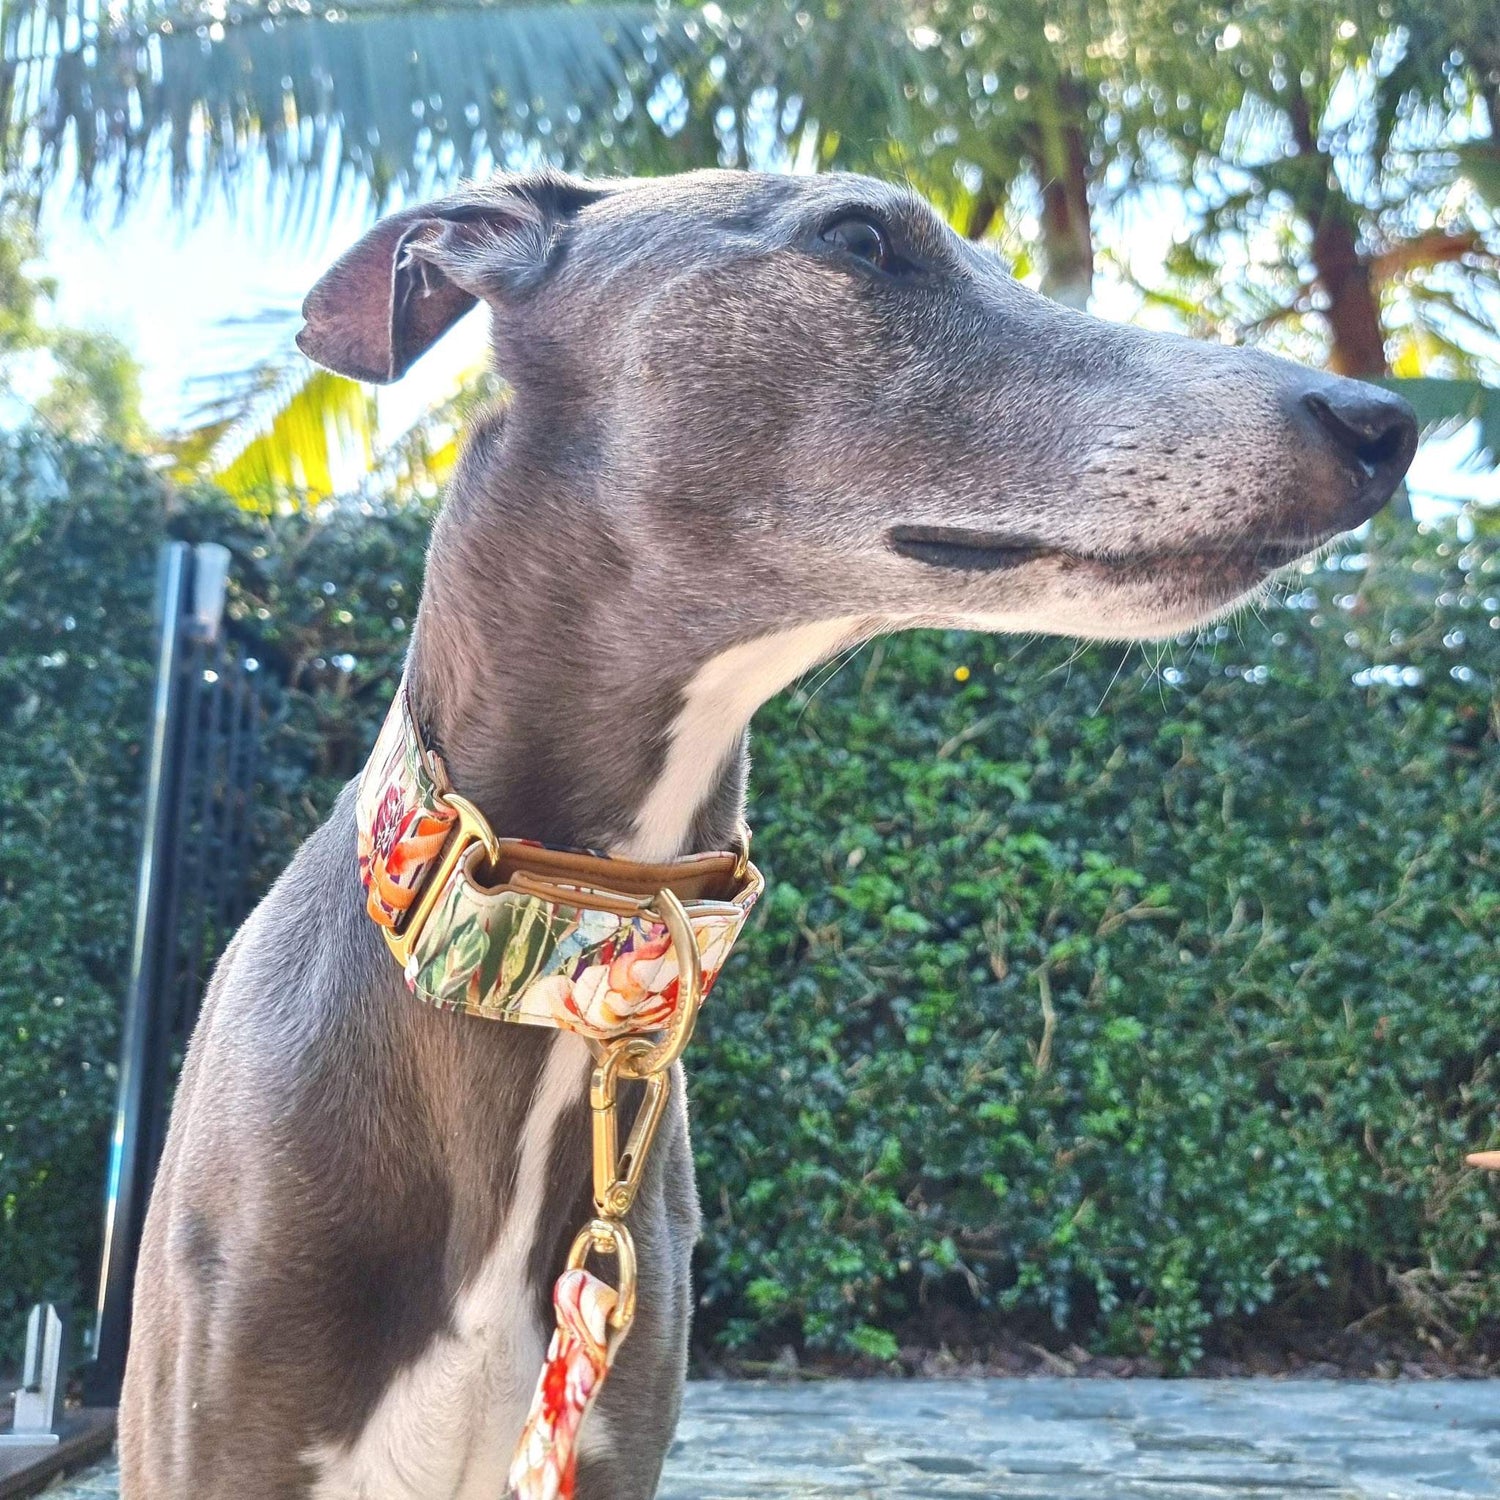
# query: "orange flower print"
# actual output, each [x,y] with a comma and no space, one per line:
[403,824]
[393,855]
[636,988]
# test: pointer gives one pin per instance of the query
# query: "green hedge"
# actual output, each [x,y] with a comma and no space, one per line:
[76,591]
[80,531]
[1138,997]
[1138,1002]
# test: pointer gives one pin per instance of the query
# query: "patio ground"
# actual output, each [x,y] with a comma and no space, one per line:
[1054,1439]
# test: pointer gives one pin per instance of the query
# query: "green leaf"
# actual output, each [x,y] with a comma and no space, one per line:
[874,1343]
[1443,406]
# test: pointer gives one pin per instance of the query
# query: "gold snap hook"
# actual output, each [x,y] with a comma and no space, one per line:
[618,1175]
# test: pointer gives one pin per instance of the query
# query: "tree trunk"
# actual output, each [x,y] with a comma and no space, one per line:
[1067,233]
[1345,276]
[983,212]
[1353,308]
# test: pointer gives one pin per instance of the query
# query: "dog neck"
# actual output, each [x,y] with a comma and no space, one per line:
[577,693]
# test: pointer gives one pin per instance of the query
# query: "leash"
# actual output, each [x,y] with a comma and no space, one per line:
[617,951]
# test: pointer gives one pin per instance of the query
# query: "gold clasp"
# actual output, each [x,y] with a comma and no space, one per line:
[471,828]
[617,1177]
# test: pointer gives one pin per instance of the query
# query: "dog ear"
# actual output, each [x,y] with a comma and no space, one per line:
[387,300]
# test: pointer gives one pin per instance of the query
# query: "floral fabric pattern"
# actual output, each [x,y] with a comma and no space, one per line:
[545,1463]
[567,959]
[403,823]
[513,956]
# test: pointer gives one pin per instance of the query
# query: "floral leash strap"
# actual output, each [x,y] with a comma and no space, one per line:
[545,1461]
[554,943]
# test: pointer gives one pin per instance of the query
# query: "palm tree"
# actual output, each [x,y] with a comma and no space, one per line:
[964,100]
[1370,225]
[1348,143]
[394,95]
[376,94]
[1024,99]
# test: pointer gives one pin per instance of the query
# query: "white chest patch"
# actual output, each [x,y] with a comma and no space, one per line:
[717,706]
[446,1425]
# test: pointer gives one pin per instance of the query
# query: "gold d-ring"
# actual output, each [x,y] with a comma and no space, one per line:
[610,1237]
[689,991]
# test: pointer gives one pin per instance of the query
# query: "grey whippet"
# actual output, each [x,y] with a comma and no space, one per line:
[753,419]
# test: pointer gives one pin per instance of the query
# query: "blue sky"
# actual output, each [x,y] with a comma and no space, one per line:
[190,293]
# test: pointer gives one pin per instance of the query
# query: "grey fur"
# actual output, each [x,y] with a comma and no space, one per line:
[716,420]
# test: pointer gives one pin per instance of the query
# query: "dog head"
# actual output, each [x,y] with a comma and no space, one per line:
[755,419]
[811,389]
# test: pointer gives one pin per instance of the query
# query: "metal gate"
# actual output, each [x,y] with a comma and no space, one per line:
[192,892]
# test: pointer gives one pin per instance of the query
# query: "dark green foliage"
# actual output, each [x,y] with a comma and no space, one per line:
[329,599]
[1141,1014]
[78,531]
[1258,904]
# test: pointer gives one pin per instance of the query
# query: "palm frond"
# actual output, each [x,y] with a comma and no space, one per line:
[1479,163]
[283,429]
[420,461]
[385,94]
[1445,406]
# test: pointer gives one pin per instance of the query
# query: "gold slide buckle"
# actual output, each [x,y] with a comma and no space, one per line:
[471,828]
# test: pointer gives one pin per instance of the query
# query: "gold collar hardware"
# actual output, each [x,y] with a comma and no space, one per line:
[472,828]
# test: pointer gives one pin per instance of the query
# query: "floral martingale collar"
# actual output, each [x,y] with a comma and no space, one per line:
[512,930]
[620,952]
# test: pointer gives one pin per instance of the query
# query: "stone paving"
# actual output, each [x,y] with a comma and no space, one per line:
[1072,1440]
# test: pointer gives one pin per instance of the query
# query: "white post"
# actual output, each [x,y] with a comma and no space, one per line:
[39,1399]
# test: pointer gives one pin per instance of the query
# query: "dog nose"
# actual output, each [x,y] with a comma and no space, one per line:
[1374,431]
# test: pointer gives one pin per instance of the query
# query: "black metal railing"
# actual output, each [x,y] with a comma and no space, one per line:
[192,891]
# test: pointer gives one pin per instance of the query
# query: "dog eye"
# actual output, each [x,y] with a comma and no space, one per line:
[862,238]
